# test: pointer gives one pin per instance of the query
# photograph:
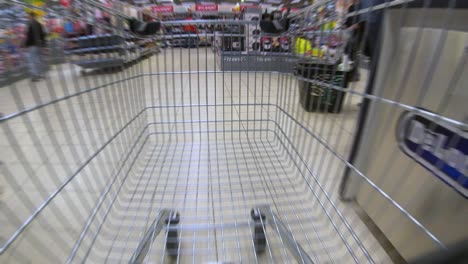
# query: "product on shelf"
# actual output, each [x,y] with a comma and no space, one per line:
[275,44]
[265,43]
[256,33]
[255,46]
[233,43]
[253,31]
[285,47]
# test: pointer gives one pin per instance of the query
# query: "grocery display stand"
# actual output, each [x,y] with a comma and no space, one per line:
[256,61]
[248,49]
[106,51]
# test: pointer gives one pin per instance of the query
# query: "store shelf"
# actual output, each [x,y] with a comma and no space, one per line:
[327,32]
[91,37]
[104,49]
[122,50]
[315,60]
[177,36]
[18,73]
[225,34]
[256,61]
[146,52]
[99,63]
[256,53]
[144,42]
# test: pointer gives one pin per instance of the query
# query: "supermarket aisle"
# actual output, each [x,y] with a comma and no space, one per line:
[67,79]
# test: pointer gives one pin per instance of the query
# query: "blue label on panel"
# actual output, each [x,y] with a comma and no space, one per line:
[440,148]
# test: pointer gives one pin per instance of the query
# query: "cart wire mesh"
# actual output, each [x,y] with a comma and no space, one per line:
[174,155]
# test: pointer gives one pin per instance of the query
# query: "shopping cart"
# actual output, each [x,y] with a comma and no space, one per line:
[175,159]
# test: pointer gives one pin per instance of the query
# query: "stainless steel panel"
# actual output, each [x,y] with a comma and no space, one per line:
[419,66]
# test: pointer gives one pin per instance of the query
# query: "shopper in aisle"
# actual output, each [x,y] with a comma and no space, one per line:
[35,40]
[356,27]
[190,29]
[366,35]
[373,20]
[365,28]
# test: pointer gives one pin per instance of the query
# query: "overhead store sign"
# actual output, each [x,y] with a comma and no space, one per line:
[225,8]
[440,148]
[180,9]
[206,8]
[162,9]
[140,2]
[241,7]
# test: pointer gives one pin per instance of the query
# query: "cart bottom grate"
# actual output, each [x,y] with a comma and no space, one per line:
[214,184]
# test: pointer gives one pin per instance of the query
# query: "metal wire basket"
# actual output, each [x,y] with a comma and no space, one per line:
[174,158]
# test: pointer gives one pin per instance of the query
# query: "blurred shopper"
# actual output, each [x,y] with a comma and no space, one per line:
[365,30]
[373,21]
[35,40]
[356,28]
[190,29]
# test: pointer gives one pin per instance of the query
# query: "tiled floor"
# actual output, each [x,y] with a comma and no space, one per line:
[208,145]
